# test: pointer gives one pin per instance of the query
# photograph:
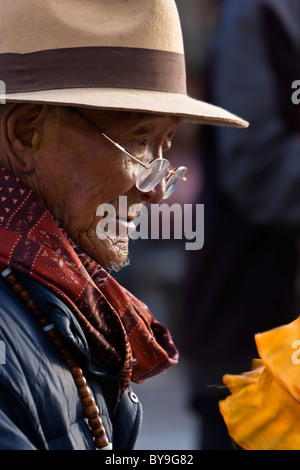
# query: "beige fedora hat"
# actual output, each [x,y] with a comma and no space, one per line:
[112,54]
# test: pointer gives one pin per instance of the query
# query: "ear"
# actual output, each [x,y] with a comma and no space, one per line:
[20,135]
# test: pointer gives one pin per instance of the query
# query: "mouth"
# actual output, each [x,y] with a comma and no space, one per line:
[126,224]
[117,222]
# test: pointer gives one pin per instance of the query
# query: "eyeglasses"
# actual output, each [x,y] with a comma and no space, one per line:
[153,172]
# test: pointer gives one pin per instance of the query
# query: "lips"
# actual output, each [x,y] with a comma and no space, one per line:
[127,218]
[126,226]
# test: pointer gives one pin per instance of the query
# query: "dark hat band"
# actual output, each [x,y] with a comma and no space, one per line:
[86,67]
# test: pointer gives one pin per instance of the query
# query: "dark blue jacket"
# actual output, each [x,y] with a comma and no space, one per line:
[40,406]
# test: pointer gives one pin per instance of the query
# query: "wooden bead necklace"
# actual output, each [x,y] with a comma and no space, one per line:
[91,411]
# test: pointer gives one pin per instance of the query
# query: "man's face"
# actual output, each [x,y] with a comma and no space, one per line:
[77,170]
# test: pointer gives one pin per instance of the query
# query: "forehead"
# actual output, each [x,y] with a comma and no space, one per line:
[132,122]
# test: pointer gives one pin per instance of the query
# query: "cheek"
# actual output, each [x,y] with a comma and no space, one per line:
[105,178]
[109,253]
[85,176]
[92,191]
[87,190]
[94,168]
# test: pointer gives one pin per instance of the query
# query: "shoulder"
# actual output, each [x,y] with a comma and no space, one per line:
[35,382]
[36,372]
[16,327]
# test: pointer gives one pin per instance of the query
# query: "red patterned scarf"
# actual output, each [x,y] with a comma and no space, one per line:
[119,328]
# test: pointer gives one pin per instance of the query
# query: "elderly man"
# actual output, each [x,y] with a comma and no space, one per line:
[94,93]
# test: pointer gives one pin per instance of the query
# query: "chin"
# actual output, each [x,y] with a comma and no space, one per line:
[114,254]
[115,267]
[110,253]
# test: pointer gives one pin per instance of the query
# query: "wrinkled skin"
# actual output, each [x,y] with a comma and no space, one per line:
[74,169]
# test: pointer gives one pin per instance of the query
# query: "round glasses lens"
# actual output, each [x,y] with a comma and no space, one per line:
[148,178]
[174,180]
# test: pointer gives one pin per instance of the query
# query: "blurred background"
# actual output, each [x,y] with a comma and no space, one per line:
[242,56]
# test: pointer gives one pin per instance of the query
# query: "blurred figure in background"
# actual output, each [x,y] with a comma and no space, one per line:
[244,279]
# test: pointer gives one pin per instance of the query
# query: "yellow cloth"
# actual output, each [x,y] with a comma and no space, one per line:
[263,410]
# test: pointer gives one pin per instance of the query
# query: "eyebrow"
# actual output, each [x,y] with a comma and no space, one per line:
[140,130]
[146,126]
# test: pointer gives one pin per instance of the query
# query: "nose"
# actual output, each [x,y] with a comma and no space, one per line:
[156,195]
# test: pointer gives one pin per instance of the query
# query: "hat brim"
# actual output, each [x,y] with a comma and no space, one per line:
[125,99]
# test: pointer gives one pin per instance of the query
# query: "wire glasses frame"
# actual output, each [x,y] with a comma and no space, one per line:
[153,172]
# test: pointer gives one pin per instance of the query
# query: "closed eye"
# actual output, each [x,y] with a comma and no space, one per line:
[142,142]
